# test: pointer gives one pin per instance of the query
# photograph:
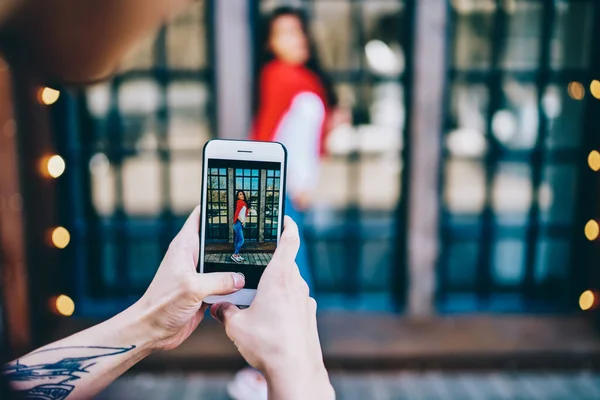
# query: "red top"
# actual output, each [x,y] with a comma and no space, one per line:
[279,84]
[238,208]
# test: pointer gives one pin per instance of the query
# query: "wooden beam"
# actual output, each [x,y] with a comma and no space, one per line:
[425,141]
[13,286]
[233,61]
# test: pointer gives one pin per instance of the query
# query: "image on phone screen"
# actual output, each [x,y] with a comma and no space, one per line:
[242,216]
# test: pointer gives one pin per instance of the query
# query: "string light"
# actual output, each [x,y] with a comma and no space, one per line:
[65,305]
[594,160]
[595,88]
[55,166]
[48,96]
[587,300]
[576,90]
[592,230]
[60,237]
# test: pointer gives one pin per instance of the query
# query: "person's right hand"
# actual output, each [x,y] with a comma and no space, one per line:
[278,333]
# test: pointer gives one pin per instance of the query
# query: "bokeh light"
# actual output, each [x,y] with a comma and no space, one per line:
[48,96]
[595,88]
[592,230]
[594,160]
[56,166]
[587,300]
[576,90]
[60,237]
[65,305]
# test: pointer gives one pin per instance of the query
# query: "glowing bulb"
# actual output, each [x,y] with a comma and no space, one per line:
[48,96]
[592,230]
[595,88]
[594,160]
[65,305]
[586,300]
[576,90]
[56,166]
[60,237]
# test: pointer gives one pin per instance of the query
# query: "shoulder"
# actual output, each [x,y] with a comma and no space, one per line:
[308,104]
[283,75]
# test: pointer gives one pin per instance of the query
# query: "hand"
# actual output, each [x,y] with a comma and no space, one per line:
[278,333]
[172,306]
[301,201]
[339,116]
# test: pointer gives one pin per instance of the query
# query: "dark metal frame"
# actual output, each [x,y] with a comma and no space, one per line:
[485,230]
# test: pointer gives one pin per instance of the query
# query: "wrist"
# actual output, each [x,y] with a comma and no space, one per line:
[139,327]
[299,379]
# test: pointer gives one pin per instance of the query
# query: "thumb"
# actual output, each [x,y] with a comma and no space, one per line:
[218,283]
[224,312]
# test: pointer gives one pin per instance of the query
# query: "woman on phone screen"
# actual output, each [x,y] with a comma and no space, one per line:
[242,210]
[295,105]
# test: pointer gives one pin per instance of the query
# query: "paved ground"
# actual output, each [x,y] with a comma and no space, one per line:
[261,259]
[388,386]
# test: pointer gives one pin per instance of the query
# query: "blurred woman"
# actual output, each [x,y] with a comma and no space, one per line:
[242,210]
[294,104]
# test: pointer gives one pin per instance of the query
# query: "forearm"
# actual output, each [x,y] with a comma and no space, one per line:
[79,40]
[81,365]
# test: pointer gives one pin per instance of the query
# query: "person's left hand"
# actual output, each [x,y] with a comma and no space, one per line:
[172,305]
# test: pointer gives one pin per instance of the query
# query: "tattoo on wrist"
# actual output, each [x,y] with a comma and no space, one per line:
[53,379]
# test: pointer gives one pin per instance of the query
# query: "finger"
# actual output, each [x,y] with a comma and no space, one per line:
[192,225]
[187,240]
[288,245]
[224,312]
[218,283]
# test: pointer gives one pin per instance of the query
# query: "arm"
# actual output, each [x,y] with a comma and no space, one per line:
[79,40]
[286,348]
[81,365]
[300,131]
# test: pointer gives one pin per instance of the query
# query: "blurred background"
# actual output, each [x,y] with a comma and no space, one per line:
[453,229]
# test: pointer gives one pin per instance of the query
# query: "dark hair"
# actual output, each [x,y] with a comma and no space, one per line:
[244,193]
[265,55]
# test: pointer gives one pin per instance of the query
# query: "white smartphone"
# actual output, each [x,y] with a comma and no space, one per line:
[242,209]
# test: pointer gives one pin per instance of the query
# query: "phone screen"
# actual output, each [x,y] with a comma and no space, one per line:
[242,216]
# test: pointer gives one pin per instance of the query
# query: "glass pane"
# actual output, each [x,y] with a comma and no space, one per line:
[566,117]
[186,38]
[571,47]
[512,192]
[188,125]
[523,35]
[334,33]
[508,262]
[515,124]
[462,264]
[464,188]
[552,261]
[471,31]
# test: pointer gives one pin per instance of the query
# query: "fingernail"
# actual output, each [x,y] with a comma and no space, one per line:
[213,310]
[216,312]
[239,280]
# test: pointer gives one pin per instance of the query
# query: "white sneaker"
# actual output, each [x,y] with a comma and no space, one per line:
[236,259]
[248,384]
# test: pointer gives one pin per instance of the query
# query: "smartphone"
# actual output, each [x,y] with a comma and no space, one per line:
[242,209]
